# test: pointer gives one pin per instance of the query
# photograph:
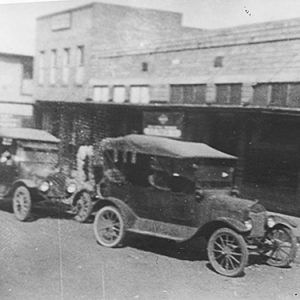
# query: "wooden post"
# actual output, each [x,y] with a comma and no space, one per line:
[241,152]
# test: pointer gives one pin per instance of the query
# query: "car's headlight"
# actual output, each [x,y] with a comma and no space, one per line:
[248,224]
[44,187]
[71,188]
[271,222]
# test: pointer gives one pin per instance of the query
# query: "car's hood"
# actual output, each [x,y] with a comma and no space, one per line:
[232,206]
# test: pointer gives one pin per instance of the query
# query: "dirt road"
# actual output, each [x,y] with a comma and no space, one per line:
[57,258]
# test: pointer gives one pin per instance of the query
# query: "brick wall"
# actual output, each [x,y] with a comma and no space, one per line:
[79,34]
[101,28]
[248,64]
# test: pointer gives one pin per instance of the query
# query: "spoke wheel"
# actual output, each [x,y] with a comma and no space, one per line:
[83,207]
[281,247]
[22,203]
[109,227]
[227,252]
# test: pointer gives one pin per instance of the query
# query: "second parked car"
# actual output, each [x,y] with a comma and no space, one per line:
[30,173]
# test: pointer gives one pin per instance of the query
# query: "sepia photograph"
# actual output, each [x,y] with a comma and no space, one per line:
[149,150]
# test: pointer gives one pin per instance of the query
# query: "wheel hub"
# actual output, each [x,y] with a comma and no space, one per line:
[227,251]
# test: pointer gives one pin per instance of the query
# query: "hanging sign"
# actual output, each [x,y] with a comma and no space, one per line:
[168,124]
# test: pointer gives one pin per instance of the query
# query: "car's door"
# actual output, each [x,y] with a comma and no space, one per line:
[182,210]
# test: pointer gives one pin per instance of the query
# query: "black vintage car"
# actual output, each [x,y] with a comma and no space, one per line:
[180,190]
[30,172]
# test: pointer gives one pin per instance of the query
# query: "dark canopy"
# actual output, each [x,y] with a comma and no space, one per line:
[166,147]
[28,134]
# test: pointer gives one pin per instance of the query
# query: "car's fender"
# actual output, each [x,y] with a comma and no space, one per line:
[30,184]
[279,220]
[207,229]
[74,197]
[27,182]
[234,224]
[127,213]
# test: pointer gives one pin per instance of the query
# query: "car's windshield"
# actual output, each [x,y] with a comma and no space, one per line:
[39,156]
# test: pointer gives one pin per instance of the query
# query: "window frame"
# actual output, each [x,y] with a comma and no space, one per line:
[140,90]
[53,67]
[108,93]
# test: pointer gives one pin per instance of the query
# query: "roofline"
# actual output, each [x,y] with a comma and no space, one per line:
[16,55]
[108,4]
[66,11]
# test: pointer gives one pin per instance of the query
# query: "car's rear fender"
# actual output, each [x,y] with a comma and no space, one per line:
[126,212]
[208,229]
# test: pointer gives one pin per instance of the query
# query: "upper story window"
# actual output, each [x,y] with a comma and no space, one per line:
[101,94]
[277,94]
[188,93]
[119,94]
[53,65]
[218,62]
[66,65]
[229,93]
[139,94]
[80,65]
[27,69]
[41,67]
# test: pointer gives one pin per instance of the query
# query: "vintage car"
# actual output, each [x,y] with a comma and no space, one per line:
[30,173]
[182,190]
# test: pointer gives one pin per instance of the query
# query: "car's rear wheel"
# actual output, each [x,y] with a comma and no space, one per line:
[22,203]
[109,227]
[83,207]
[282,246]
[227,252]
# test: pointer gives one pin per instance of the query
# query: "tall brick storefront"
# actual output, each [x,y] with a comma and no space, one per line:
[101,68]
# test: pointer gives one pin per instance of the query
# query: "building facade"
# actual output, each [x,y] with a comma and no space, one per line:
[236,89]
[16,89]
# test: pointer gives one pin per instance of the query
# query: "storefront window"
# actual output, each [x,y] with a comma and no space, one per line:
[229,93]
[119,94]
[101,94]
[139,94]
[188,93]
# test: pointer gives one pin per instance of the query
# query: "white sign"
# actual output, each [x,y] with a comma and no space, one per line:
[62,21]
[168,131]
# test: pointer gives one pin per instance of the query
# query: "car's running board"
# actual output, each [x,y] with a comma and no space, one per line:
[162,229]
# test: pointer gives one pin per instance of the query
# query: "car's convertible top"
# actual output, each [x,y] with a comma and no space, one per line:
[28,134]
[160,146]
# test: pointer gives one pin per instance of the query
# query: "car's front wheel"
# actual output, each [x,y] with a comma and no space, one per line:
[22,203]
[83,207]
[227,252]
[109,227]
[281,246]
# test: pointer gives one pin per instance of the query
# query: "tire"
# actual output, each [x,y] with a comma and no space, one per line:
[83,207]
[282,246]
[227,252]
[22,203]
[109,227]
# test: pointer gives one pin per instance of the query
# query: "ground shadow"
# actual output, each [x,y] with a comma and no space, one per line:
[193,250]
[41,210]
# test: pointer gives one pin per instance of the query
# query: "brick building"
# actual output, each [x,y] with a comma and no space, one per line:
[16,89]
[237,89]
